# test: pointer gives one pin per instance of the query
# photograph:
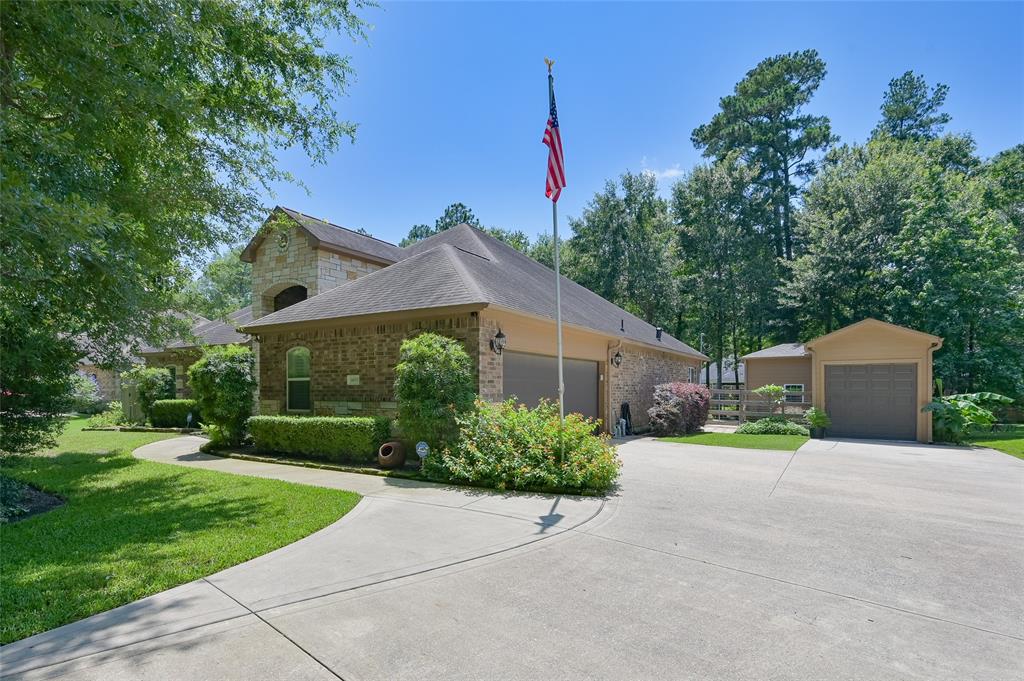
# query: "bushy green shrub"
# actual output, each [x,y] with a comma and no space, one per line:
[817,418]
[955,416]
[85,395]
[433,384]
[774,425]
[152,384]
[509,446]
[174,413]
[333,438]
[679,408]
[113,416]
[223,383]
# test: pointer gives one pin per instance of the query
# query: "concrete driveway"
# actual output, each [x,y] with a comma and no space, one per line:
[847,560]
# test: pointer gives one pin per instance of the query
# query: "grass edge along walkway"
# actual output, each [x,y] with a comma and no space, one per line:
[779,443]
[133,528]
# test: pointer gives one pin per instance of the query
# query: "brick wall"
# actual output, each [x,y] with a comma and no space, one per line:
[491,374]
[634,381]
[352,367]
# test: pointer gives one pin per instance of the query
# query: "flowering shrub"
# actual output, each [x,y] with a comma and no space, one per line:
[509,446]
[679,408]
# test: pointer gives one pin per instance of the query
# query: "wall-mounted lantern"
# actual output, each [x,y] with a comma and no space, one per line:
[617,359]
[498,342]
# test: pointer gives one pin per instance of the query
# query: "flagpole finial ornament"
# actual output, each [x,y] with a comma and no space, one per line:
[550,63]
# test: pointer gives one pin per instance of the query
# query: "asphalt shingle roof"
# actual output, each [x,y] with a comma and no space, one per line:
[781,350]
[462,266]
[345,238]
[212,332]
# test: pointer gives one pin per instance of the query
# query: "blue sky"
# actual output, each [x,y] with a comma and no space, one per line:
[451,98]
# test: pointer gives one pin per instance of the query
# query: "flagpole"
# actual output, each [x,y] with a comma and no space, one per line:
[558,326]
[555,148]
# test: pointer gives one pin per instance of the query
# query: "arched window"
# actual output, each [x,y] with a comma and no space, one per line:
[298,397]
[289,296]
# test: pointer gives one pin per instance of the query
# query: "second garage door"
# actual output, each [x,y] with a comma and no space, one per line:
[872,400]
[531,377]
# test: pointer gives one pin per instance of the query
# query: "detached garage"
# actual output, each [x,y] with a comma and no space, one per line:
[872,378]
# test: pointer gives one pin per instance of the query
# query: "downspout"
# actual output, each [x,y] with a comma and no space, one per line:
[931,388]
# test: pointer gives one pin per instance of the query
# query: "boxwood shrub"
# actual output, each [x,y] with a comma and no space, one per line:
[331,438]
[174,413]
[509,446]
[773,425]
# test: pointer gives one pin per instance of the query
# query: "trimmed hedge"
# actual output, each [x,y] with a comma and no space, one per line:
[773,425]
[174,413]
[331,438]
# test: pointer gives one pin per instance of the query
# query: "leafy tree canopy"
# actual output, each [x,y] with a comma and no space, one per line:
[133,136]
[622,244]
[224,286]
[911,111]
[457,214]
[764,120]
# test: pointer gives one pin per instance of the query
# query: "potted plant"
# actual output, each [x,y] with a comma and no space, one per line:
[818,421]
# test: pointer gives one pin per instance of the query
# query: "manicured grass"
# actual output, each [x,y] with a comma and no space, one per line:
[1011,442]
[132,528]
[786,443]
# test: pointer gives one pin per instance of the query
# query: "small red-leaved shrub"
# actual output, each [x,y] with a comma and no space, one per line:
[679,408]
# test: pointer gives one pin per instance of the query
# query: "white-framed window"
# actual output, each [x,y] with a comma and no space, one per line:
[794,388]
[691,375]
[297,392]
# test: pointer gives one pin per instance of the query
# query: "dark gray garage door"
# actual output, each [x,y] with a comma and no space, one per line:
[872,400]
[531,377]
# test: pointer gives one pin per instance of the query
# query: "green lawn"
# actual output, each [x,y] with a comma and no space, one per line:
[132,528]
[786,443]
[1011,442]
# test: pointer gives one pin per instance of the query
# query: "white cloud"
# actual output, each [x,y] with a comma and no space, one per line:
[670,173]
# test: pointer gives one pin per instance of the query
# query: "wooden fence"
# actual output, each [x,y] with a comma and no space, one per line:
[731,405]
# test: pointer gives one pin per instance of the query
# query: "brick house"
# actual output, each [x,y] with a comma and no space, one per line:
[331,307]
[179,355]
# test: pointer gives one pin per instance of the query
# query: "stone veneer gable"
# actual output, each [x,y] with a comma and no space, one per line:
[275,269]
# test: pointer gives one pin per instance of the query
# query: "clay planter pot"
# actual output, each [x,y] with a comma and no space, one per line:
[391,455]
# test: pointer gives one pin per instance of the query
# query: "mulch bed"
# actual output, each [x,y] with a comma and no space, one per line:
[24,501]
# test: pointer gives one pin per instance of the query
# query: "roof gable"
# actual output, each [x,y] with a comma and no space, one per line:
[328,236]
[871,322]
[463,266]
[791,350]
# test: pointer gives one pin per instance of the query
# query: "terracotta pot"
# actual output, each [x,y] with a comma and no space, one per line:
[391,455]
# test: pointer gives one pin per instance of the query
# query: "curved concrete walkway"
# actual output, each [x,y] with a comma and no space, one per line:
[844,560]
[400,528]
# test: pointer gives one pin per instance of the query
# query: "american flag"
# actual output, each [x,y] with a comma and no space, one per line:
[553,138]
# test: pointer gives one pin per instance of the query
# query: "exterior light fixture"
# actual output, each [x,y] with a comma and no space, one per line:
[617,359]
[498,342]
